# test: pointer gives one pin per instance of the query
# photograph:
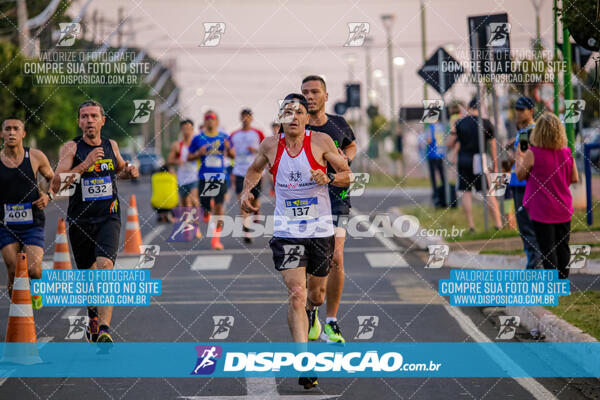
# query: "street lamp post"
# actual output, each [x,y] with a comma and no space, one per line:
[388,22]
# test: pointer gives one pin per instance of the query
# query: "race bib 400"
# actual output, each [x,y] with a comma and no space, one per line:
[18,214]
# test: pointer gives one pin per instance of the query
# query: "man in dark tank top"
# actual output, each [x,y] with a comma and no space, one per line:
[94,213]
[25,174]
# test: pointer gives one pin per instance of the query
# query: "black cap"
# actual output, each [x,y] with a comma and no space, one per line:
[524,102]
[246,111]
[295,98]
[473,103]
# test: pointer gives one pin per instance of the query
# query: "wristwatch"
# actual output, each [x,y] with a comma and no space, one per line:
[50,196]
[331,177]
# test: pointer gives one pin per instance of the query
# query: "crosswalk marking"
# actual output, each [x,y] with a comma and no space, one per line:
[206,263]
[386,260]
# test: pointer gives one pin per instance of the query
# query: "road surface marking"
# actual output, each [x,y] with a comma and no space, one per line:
[153,234]
[204,263]
[386,260]
[70,312]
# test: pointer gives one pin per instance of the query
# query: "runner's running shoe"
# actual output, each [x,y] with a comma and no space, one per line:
[308,383]
[104,337]
[332,333]
[314,325]
[92,332]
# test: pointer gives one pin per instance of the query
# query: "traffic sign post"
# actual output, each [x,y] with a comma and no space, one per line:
[441,71]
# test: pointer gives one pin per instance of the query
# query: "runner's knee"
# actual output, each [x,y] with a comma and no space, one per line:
[297,295]
[317,295]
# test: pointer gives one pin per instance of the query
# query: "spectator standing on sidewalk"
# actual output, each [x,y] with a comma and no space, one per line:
[549,168]
[524,118]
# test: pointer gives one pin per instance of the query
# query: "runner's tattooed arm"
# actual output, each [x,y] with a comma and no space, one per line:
[65,164]
[261,161]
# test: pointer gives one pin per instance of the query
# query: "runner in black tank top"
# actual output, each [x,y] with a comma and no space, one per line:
[21,212]
[315,91]
[94,209]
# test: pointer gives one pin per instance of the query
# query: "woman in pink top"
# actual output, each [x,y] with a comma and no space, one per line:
[549,168]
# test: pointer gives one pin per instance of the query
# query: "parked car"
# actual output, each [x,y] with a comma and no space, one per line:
[149,162]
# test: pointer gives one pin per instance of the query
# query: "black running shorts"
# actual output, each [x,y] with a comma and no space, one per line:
[92,240]
[314,254]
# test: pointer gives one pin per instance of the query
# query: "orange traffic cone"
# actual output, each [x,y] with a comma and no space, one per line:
[133,235]
[21,327]
[62,258]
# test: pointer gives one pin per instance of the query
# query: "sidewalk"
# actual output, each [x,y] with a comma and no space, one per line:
[466,255]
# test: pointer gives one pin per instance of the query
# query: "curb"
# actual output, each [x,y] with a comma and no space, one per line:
[554,328]
[549,324]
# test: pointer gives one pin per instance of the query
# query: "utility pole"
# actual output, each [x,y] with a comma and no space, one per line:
[556,82]
[120,27]
[423,43]
[568,88]
[23,33]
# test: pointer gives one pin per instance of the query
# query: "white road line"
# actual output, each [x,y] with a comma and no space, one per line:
[153,234]
[126,262]
[43,340]
[260,389]
[70,312]
[5,374]
[536,389]
[386,260]
[211,263]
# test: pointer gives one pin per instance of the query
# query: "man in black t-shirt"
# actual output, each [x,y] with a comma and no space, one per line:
[315,91]
[465,135]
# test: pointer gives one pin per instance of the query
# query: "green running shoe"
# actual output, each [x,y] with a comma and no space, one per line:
[332,333]
[104,336]
[36,302]
[314,326]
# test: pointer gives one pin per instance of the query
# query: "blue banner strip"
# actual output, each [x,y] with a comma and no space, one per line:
[229,359]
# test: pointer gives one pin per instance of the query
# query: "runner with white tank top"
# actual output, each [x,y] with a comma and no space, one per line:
[302,208]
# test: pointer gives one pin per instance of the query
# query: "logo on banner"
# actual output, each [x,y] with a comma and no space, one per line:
[357,33]
[69,31]
[207,359]
[508,326]
[142,110]
[77,326]
[498,183]
[579,254]
[223,324]
[437,255]
[499,32]
[432,111]
[148,254]
[366,326]
[213,31]
[185,227]
[573,111]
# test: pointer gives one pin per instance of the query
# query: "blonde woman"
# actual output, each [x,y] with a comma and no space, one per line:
[549,168]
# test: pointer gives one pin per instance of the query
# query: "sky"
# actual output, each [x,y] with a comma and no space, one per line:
[270,45]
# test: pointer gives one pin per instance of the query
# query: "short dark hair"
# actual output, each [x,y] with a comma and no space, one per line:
[315,78]
[89,103]
[186,121]
[14,118]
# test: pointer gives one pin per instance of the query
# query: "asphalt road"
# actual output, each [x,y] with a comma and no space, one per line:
[384,279]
